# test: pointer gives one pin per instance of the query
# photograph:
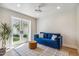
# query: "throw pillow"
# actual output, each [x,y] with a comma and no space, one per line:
[41,35]
[53,37]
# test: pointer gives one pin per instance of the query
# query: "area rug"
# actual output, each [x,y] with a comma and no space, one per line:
[41,50]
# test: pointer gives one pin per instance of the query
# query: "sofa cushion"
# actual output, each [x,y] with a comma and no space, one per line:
[45,35]
[43,39]
[49,35]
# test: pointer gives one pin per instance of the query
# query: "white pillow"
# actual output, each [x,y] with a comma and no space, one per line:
[41,35]
[53,37]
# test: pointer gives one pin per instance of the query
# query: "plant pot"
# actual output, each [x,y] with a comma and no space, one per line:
[2,51]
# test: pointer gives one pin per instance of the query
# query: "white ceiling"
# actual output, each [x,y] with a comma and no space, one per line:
[29,8]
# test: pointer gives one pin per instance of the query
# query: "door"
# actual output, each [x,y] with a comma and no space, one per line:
[21,31]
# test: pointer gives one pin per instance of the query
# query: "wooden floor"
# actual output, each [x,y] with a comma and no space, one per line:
[72,51]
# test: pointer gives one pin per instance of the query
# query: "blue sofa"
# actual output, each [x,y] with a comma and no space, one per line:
[47,40]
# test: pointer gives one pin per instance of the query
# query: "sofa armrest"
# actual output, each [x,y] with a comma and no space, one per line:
[59,40]
[36,36]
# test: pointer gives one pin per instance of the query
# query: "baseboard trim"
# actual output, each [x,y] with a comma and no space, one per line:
[70,46]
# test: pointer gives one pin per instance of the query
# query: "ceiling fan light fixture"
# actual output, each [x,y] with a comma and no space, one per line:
[38,10]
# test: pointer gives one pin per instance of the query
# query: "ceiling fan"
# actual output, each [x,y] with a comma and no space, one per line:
[38,9]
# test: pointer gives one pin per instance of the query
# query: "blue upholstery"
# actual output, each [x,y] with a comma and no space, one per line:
[46,40]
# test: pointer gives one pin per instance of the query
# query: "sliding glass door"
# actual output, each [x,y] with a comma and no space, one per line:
[21,30]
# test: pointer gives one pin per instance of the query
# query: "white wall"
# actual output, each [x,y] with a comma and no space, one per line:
[60,21]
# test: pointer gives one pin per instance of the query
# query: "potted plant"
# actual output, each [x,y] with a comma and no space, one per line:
[5,31]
